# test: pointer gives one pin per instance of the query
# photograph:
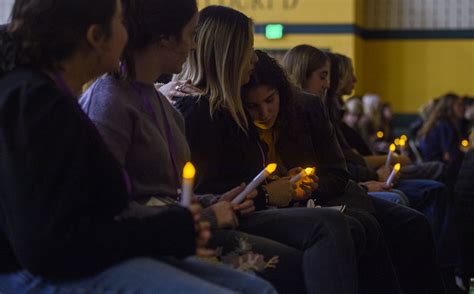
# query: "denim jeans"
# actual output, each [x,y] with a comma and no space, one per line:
[144,275]
[395,196]
[329,263]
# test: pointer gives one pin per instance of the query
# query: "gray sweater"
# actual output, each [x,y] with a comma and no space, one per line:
[129,129]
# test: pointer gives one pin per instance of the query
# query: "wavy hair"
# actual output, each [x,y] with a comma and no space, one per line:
[224,40]
[301,61]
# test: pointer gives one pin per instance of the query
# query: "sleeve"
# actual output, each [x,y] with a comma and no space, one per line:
[204,141]
[60,190]
[105,104]
[332,170]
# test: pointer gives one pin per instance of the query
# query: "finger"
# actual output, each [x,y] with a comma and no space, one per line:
[179,93]
[252,194]
[247,210]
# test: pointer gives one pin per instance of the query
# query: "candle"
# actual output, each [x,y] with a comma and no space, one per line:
[188,182]
[404,138]
[394,172]
[255,182]
[389,156]
[402,146]
[380,134]
[465,143]
[397,141]
[302,174]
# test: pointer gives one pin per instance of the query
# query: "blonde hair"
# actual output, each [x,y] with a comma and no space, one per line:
[301,61]
[223,38]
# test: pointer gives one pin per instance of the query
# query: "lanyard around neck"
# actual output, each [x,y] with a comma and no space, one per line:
[166,133]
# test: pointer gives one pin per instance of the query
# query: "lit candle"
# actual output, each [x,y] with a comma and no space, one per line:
[188,182]
[465,143]
[394,172]
[404,138]
[380,135]
[302,174]
[389,156]
[402,146]
[255,182]
[397,141]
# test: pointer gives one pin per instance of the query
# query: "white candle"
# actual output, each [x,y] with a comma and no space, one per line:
[255,182]
[302,174]
[402,146]
[389,156]
[188,182]
[394,172]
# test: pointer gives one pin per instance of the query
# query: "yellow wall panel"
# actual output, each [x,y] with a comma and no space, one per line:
[292,11]
[343,43]
[409,72]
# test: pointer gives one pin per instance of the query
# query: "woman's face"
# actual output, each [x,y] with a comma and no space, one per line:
[263,105]
[350,82]
[114,45]
[249,64]
[318,82]
[179,50]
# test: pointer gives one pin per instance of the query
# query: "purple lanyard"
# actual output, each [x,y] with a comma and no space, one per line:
[59,80]
[167,132]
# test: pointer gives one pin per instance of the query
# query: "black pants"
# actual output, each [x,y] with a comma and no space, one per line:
[323,236]
[410,242]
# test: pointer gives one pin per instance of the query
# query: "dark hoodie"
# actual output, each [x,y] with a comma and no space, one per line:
[60,187]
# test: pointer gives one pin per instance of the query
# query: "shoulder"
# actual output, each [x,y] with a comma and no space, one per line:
[28,87]
[106,90]
[108,98]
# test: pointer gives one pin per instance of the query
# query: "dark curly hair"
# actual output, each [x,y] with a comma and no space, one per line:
[269,73]
[49,31]
[148,21]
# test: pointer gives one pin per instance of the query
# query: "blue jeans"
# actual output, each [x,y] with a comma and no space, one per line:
[395,196]
[144,275]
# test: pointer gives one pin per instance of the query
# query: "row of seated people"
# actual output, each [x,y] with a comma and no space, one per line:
[89,187]
[440,137]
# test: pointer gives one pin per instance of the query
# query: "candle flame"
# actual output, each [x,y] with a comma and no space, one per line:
[309,170]
[465,143]
[397,141]
[189,171]
[397,167]
[393,147]
[380,134]
[271,167]
[404,138]
[402,143]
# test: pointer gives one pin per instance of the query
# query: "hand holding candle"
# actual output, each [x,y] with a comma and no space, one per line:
[390,153]
[255,182]
[302,174]
[395,171]
[188,182]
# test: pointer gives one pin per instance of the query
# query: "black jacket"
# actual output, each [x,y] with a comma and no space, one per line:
[60,189]
[225,156]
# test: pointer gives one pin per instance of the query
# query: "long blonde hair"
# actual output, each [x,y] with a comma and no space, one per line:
[301,61]
[224,40]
